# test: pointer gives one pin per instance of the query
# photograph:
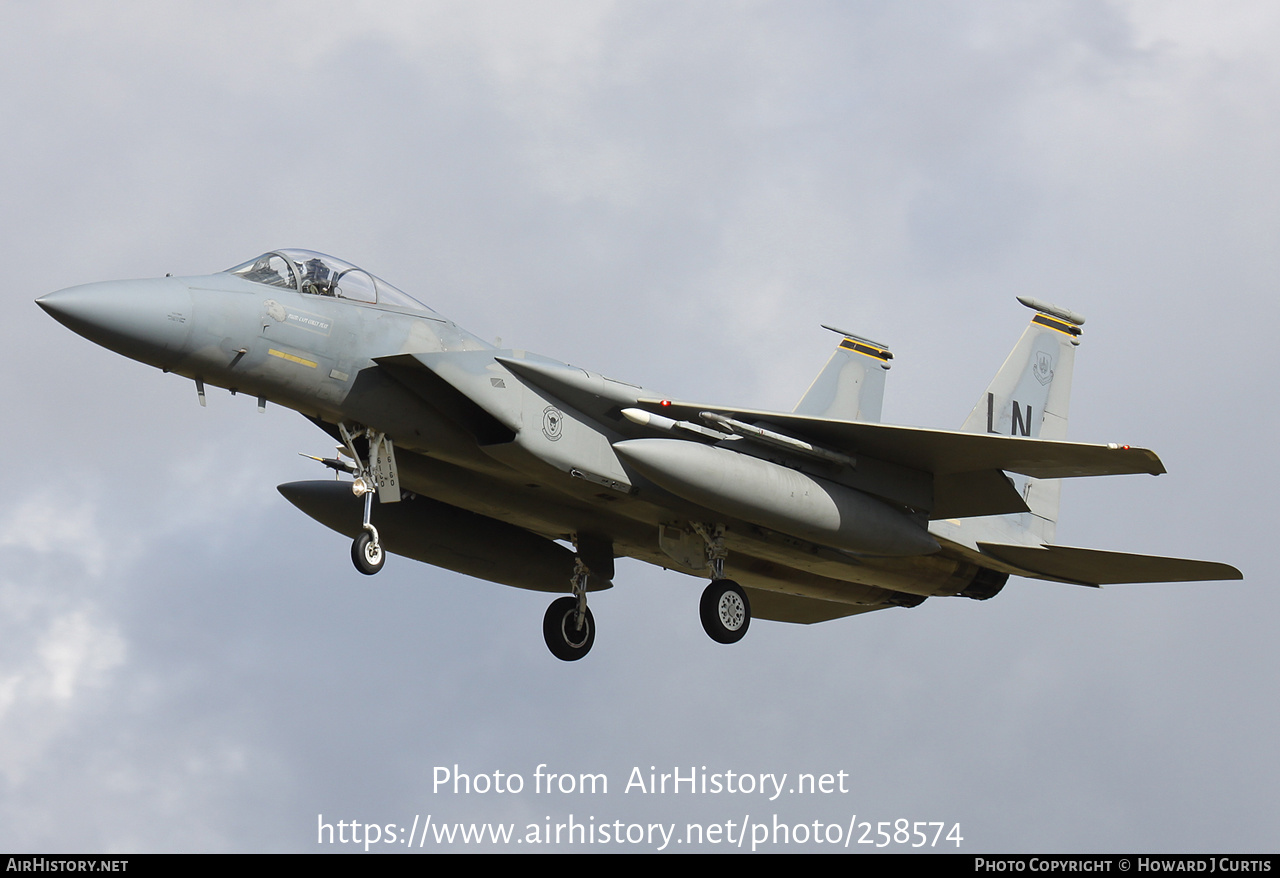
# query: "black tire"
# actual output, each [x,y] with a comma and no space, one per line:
[563,638]
[367,557]
[725,611]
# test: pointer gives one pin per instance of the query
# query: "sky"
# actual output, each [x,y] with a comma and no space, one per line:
[675,194]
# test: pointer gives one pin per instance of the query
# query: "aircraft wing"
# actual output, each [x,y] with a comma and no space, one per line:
[1096,567]
[941,452]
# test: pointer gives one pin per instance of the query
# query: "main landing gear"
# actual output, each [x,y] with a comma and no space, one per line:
[570,630]
[568,627]
[724,608]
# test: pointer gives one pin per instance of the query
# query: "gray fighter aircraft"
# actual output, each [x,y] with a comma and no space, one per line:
[492,462]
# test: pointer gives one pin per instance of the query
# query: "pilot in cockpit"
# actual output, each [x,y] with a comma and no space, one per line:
[317,278]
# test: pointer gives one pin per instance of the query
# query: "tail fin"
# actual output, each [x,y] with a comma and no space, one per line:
[851,386]
[1029,397]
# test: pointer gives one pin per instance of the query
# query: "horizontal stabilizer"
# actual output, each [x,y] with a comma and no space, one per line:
[1096,567]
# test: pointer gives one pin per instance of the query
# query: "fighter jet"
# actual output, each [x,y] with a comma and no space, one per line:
[522,470]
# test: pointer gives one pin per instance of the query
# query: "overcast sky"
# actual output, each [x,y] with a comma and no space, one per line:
[675,194]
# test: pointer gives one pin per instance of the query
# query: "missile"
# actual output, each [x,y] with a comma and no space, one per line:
[778,440]
[776,497]
[659,422]
[746,431]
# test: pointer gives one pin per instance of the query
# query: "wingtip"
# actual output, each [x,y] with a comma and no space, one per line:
[1155,466]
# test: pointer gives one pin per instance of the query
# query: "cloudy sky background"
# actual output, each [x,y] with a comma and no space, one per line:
[674,194]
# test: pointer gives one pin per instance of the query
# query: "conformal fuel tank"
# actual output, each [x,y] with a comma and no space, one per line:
[776,497]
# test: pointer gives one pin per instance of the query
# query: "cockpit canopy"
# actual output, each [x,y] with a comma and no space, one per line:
[306,271]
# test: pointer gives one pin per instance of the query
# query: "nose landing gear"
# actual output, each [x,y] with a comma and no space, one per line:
[375,472]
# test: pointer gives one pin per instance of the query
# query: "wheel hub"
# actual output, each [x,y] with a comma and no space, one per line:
[731,611]
[573,635]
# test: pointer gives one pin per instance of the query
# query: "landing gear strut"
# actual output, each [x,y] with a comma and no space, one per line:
[724,608]
[568,627]
[366,551]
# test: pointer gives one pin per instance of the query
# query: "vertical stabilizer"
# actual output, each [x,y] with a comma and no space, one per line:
[851,386]
[1029,396]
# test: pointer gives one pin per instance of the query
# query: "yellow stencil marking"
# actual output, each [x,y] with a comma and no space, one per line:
[291,358]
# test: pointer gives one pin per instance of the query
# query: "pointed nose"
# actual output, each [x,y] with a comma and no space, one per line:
[147,320]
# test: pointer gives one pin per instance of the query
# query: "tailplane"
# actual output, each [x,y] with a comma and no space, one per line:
[1096,567]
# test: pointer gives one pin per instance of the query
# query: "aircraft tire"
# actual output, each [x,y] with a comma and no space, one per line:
[563,638]
[725,611]
[367,557]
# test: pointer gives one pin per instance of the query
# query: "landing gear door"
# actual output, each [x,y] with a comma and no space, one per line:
[682,546]
[385,475]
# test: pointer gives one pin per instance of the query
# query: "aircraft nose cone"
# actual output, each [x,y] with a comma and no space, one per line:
[147,320]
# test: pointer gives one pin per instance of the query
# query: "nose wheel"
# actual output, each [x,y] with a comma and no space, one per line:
[367,554]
